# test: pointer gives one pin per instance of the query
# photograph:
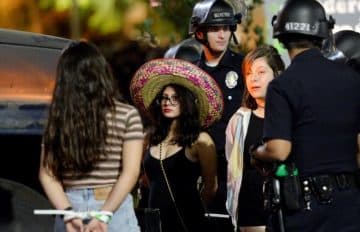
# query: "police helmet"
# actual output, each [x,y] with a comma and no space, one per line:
[214,13]
[343,47]
[305,17]
[348,42]
[188,49]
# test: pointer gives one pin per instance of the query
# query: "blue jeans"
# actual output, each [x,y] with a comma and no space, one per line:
[123,220]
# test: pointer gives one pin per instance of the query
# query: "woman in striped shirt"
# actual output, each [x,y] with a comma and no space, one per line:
[92,145]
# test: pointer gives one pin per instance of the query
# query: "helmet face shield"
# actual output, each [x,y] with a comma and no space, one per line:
[330,51]
[215,13]
[221,14]
[189,49]
[346,48]
[348,42]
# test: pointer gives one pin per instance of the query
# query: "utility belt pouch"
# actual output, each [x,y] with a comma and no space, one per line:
[271,202]
[323,188]
[267,193]
[291,192]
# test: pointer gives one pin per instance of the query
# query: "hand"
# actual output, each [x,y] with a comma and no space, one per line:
[96,226]
[265,168]
[74,225]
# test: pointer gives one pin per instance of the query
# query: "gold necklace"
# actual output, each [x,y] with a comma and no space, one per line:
[160,151]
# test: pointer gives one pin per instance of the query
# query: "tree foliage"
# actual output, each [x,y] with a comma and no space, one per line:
[117,22]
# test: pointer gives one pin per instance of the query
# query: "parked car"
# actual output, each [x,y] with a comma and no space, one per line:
[27,77]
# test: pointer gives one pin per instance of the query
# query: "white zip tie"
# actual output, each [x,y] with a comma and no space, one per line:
[52,212]
[104,216]
[217,215]
[65,213]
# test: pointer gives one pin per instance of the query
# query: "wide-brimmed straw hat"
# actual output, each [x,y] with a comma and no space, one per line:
[152,76]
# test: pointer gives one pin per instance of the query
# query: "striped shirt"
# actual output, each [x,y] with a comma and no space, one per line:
[124,125]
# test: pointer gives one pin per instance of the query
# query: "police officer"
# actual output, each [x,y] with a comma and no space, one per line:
[345,48]
[313,120]
[213,24]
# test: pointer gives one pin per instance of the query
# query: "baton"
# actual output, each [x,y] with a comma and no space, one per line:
[276,186]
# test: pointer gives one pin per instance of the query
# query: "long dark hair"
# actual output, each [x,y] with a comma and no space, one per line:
[273,59]
[188,123]
[85,91]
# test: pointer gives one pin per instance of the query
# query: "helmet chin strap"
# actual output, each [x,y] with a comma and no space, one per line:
[233,36]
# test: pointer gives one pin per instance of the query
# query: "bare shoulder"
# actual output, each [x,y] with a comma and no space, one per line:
[204,139]
[204,147]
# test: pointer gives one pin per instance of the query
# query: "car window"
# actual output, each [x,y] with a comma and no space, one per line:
[27,77]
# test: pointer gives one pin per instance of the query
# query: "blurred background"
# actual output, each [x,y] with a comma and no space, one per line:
[129,32]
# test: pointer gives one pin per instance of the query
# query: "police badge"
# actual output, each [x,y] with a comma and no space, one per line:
[231,79]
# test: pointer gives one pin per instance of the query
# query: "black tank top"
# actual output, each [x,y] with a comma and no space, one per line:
[251,207]
[182,175]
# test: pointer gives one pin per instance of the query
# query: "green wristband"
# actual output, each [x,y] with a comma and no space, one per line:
[103,216]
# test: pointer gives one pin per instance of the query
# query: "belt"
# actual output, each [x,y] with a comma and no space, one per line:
[335,181]
[322,186]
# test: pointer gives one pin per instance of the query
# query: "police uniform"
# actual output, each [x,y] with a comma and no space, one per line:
[315,104]
[227,73]
[230,80]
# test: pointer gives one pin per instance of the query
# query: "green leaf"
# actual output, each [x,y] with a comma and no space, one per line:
[62,5]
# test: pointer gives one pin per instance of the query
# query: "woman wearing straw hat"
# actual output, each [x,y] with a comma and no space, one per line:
[181,100]
[92,145]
